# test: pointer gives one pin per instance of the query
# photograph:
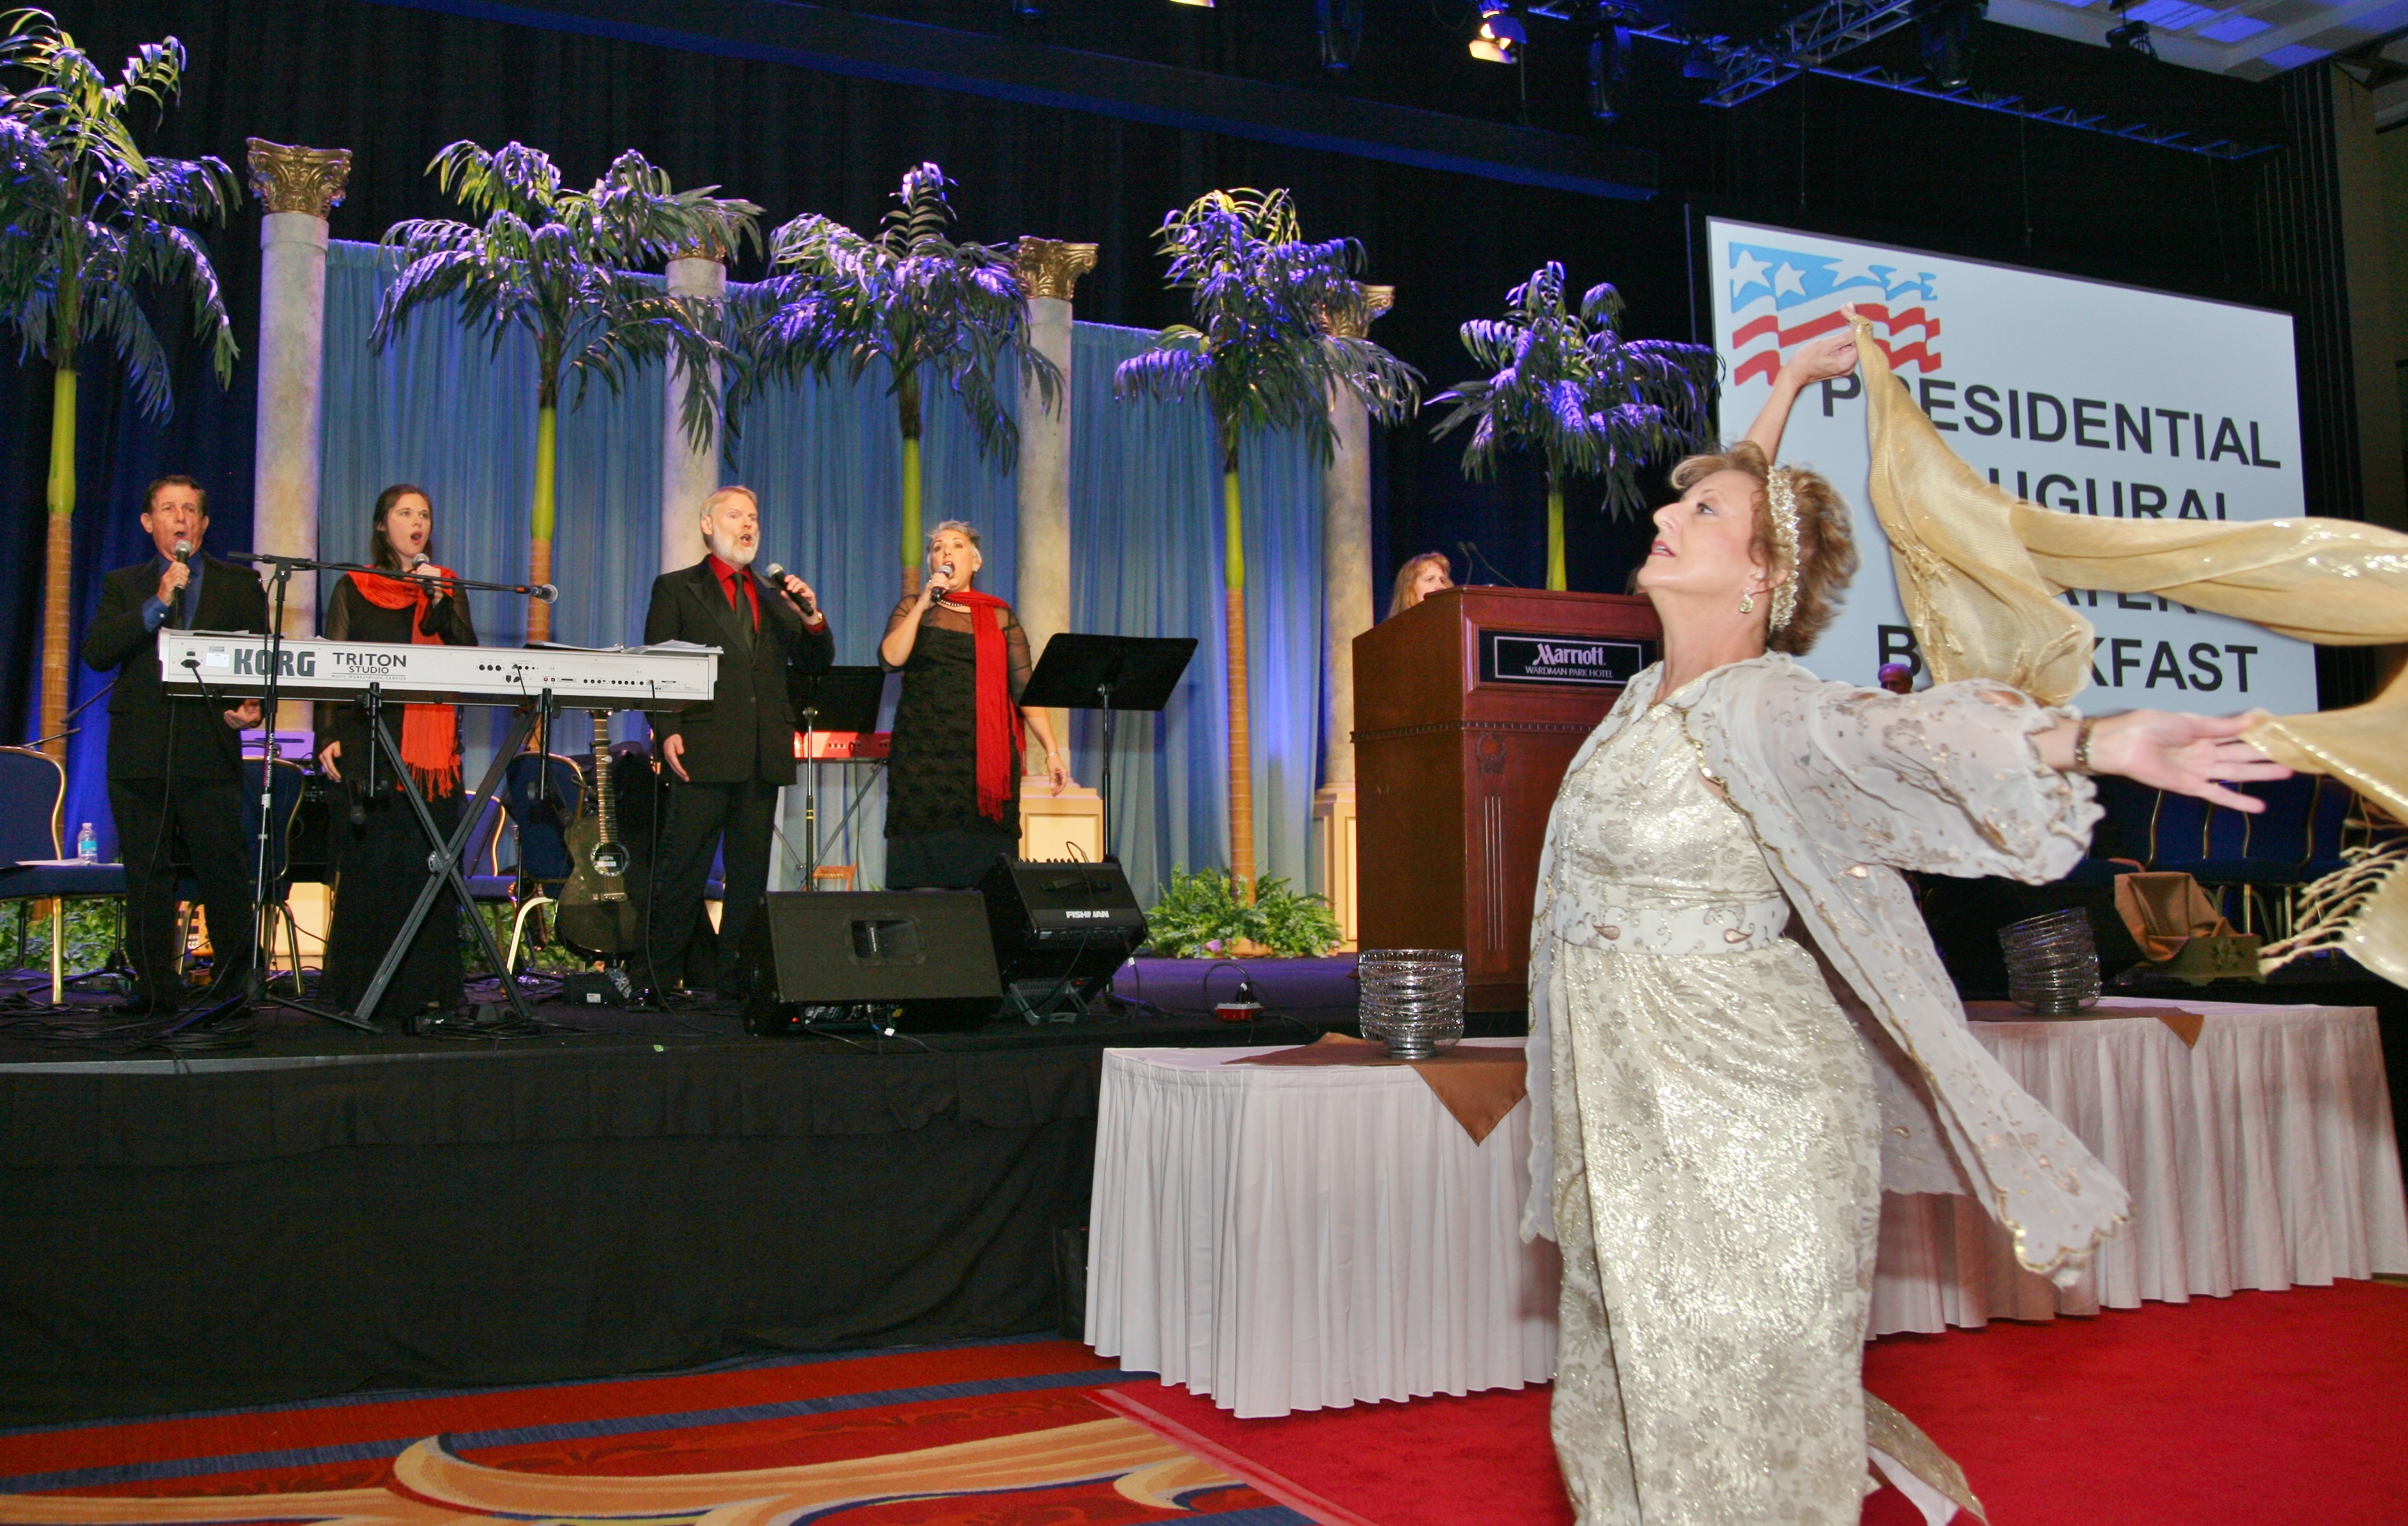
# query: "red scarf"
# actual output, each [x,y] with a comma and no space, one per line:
[430,733]
[998,739]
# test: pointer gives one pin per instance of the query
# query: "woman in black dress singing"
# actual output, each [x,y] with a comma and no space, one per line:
[952,775]
[379,850]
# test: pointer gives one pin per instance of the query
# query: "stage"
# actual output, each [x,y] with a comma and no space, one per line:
[323,1211]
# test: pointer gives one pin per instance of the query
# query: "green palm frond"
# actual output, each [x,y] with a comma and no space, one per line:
[1257,351]
[1565,382]
[912,296]
[87,222]
[559,266]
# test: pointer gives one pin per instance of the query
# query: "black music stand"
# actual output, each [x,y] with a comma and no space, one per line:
[838,699]
[1111,674]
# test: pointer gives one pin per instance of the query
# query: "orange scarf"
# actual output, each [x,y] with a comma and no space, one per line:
[430,733]
[998,739]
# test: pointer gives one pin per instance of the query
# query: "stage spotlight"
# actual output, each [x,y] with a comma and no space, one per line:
[1027,10]
[2132,37]
[1205,3]
[1501,36]
[1697,62]
[1339,26]
[1608,64]
[1947,37]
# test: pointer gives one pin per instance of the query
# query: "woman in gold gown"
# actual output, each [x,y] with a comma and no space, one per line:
[1717,1106]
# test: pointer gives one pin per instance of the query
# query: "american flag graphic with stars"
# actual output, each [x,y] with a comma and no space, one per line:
[1801,296]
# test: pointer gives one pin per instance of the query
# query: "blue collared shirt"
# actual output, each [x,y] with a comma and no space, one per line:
[154,614]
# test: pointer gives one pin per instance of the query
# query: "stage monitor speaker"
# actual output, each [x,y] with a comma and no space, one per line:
[1060,930]
[904,961]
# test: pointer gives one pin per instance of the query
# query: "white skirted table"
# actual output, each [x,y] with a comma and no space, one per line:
[2261,1158]
[1284,1239]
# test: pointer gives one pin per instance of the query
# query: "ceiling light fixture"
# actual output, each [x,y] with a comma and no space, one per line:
[1339,26]
[1501,36]
[1608,64]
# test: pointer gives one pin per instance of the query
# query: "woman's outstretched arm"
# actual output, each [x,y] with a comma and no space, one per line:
[1819,358]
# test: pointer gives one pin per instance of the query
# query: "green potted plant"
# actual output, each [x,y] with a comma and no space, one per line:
[1206,915]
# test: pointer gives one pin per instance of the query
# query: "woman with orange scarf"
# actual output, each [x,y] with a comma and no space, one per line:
[953,776]
[379,850]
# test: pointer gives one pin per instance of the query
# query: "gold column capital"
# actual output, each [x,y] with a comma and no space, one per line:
[1051,268]
[705,247]
[1354,319]
[292,179]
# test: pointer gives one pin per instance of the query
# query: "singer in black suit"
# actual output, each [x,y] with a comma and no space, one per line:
[175,765]
[723,762]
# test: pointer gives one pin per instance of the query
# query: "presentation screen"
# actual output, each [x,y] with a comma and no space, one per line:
[2081,396]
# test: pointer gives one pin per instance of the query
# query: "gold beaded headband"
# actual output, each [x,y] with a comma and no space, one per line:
[1781,496]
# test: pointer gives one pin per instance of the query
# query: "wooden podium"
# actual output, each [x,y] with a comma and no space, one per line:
[1468,709]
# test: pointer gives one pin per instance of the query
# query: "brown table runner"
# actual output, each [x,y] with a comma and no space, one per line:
[1479,1084]
[2186,1025]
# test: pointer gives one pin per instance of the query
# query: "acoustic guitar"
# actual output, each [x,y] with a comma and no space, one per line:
[597,917]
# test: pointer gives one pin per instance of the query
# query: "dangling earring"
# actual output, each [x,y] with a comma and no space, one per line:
[1747,603]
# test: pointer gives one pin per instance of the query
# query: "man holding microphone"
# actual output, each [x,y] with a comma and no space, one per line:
[724,762]
[175,765]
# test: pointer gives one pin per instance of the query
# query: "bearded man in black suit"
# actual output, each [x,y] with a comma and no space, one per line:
[175,764]
[724,762]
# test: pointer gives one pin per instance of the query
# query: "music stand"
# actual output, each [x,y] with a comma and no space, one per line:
[838,699]
[1111,674]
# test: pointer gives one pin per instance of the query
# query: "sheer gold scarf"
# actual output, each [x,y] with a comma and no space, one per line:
[1982,575]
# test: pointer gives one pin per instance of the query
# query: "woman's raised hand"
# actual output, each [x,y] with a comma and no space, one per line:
[2187,754]
[1824,357]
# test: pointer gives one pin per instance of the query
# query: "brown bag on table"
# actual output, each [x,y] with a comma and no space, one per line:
[2178,927]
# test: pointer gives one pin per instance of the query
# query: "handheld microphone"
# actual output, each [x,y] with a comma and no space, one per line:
[183,550]
[417,560]
[776,578]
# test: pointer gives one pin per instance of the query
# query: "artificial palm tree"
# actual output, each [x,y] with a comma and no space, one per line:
[560,266]
[87,223]
[1261,354]
[910,296]
[1569,386]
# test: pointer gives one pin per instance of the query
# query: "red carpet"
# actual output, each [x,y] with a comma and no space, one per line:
[1000,1435]
[2263,1410]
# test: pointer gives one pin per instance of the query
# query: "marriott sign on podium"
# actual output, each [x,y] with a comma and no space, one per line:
[2080,396]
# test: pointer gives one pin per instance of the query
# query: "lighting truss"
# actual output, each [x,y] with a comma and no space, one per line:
[1807,42]
[2060,116]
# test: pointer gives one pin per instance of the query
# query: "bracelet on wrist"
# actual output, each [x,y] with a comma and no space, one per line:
[2082,745]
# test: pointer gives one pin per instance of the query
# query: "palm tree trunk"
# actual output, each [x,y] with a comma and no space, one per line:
[547,470]
[1241,747]
[1557,579]
[907,407]
[58,567]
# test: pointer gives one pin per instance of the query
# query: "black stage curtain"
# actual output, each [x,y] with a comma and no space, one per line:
[182,1241]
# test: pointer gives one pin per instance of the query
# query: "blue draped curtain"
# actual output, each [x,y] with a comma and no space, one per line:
[446,409]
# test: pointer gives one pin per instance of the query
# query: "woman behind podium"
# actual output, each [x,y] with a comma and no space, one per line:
[380,849]
[1417,579]
[953,772]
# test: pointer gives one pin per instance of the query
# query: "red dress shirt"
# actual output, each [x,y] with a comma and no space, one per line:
[730,579]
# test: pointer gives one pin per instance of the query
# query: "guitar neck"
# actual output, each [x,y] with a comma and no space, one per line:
[605,806]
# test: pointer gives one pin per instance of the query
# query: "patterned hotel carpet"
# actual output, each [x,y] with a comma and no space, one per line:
[989,1434]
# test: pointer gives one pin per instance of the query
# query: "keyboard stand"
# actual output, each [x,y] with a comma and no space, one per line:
[443,863]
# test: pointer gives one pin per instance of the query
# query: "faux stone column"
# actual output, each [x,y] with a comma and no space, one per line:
[1050,272]
[1346,611]
[688,476]
[298,187]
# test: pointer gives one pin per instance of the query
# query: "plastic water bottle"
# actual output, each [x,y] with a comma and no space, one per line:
[87,844]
